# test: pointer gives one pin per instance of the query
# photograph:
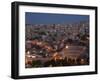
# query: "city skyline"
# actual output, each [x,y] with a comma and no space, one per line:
[53,40]
[48,18]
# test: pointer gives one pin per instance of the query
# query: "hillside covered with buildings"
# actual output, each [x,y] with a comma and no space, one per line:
[50,45]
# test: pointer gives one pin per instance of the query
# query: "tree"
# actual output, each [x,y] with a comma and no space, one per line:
[36,63]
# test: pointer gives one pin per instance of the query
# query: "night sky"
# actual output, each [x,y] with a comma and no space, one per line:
[48,18]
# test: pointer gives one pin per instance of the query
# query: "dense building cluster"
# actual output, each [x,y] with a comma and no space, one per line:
[56,32]
[44,41]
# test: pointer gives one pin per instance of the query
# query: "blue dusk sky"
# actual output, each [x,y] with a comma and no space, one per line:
[49,18]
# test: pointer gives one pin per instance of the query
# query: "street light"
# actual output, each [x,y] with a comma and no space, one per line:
[67,47]
[28,52]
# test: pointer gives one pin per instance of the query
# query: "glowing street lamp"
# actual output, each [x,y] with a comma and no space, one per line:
[28,52]
[67,47]
[33,56]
